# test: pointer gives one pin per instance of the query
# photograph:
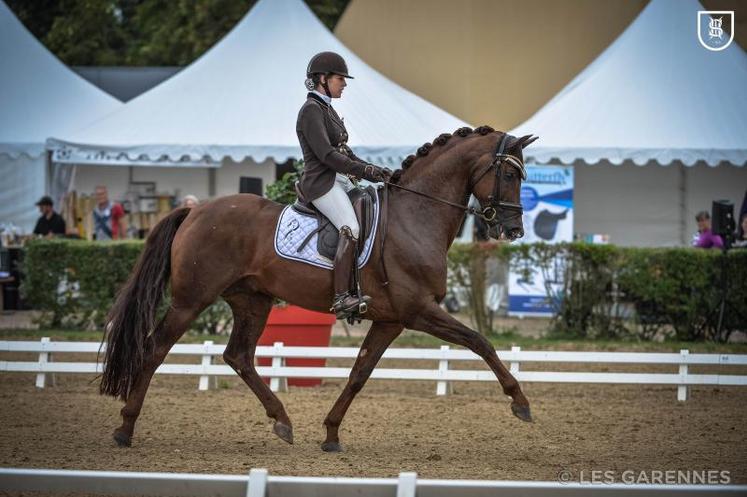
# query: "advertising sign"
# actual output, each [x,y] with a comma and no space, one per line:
[547,197]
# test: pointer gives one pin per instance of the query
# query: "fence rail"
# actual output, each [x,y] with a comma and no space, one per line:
[443,375]
[259,484]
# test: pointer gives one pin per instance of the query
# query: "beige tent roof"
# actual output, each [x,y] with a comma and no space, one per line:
[438,48]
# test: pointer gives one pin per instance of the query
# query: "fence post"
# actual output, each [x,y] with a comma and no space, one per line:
[41,378]
[256,486]
[278,384]
[406,484]
[682,389]
[514,365]
[443,387]
[207,360]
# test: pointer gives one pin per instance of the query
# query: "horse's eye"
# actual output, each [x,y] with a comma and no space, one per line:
[509,176]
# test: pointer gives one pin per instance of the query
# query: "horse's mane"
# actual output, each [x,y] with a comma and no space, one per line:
[439,141]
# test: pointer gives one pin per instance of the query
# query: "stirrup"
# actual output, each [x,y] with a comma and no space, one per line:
[356,308]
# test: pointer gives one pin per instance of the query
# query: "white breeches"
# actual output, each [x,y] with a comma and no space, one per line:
[336,205]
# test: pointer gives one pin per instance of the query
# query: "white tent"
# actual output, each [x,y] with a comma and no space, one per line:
[39,97]
[241,98]
[655,96]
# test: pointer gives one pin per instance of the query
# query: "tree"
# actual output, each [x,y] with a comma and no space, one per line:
[176,32]
[140,32]
[88,32]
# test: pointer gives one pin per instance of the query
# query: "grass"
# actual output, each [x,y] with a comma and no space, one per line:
[416,339]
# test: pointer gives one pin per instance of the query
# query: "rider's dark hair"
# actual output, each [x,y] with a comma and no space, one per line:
[317,78]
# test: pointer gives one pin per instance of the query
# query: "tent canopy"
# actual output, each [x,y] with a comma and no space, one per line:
[39,95]
[241,99]
[655,94]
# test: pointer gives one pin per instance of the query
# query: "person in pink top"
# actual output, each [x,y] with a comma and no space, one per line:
[705,238]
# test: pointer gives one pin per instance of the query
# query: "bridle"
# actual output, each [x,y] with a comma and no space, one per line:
[497,212]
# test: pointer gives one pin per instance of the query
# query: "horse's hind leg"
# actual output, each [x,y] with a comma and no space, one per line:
[437,322]
[250,311]
[169,330]
[378,339]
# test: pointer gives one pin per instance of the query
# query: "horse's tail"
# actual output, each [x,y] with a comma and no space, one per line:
[133,316]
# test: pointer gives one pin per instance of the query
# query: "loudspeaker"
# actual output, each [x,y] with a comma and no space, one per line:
[250,185]
[722,218]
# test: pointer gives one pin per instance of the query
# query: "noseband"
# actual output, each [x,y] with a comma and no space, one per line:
[497,212]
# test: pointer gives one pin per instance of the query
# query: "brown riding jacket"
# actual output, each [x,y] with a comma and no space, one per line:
[323,138]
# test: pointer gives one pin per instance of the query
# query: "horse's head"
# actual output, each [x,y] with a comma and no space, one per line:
[497,186]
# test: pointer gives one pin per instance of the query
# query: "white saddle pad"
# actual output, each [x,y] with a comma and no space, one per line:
[293,228]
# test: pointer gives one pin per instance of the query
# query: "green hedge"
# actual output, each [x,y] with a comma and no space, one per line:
[607,291]
[616,292]
[74,283]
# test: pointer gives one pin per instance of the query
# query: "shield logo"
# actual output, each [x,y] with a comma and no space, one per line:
[711,32]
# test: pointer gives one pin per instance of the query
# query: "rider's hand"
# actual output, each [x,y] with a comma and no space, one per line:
[376,174]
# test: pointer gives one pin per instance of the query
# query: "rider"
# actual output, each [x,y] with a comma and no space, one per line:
[328,164]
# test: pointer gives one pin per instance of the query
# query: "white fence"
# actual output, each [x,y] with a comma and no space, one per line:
[278,372]
[259,484]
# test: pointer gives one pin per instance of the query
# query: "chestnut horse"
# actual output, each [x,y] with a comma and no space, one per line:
[225,248]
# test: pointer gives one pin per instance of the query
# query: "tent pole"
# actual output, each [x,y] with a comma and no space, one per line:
[211,182]
[683,204]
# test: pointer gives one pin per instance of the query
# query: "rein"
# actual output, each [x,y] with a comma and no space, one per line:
[496,201]
[465,208]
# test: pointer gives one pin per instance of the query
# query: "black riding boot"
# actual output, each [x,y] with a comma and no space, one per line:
[346,303]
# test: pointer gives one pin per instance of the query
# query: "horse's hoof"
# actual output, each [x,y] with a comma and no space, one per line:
[331,447]
[122,439]
[521,412]
[283,431]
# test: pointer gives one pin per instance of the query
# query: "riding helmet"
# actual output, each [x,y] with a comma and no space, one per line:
[326,63]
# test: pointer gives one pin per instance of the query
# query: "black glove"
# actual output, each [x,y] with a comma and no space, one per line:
[376,174]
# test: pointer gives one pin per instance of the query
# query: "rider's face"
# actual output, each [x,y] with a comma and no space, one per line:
[336,84]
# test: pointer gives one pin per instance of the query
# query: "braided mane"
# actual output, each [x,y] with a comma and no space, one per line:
[439,141]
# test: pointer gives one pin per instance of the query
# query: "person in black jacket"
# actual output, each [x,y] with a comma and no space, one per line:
[740,237]
[50,223]
[328,164]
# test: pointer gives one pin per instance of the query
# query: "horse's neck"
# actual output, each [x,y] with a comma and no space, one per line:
[446,178]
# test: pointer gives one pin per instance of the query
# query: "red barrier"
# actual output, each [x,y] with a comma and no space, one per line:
[296,326]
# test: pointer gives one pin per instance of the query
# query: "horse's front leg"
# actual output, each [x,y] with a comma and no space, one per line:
[378,339]
[437,322]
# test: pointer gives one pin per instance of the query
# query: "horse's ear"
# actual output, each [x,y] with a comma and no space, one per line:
[527,140]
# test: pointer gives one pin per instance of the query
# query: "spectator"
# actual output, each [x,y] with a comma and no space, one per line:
[108,217]
[740,240]
[705,237]
[190,201]
[50,223]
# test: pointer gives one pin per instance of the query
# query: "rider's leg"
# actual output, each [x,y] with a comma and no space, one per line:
[336,205]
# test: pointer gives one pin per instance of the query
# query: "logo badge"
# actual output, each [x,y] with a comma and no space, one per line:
[711,32]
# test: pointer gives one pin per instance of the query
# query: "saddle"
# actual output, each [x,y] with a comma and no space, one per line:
[328,235]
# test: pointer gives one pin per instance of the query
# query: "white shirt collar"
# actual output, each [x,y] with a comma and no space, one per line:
[327,99]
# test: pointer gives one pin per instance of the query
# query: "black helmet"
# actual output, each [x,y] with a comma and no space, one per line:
[327,62]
